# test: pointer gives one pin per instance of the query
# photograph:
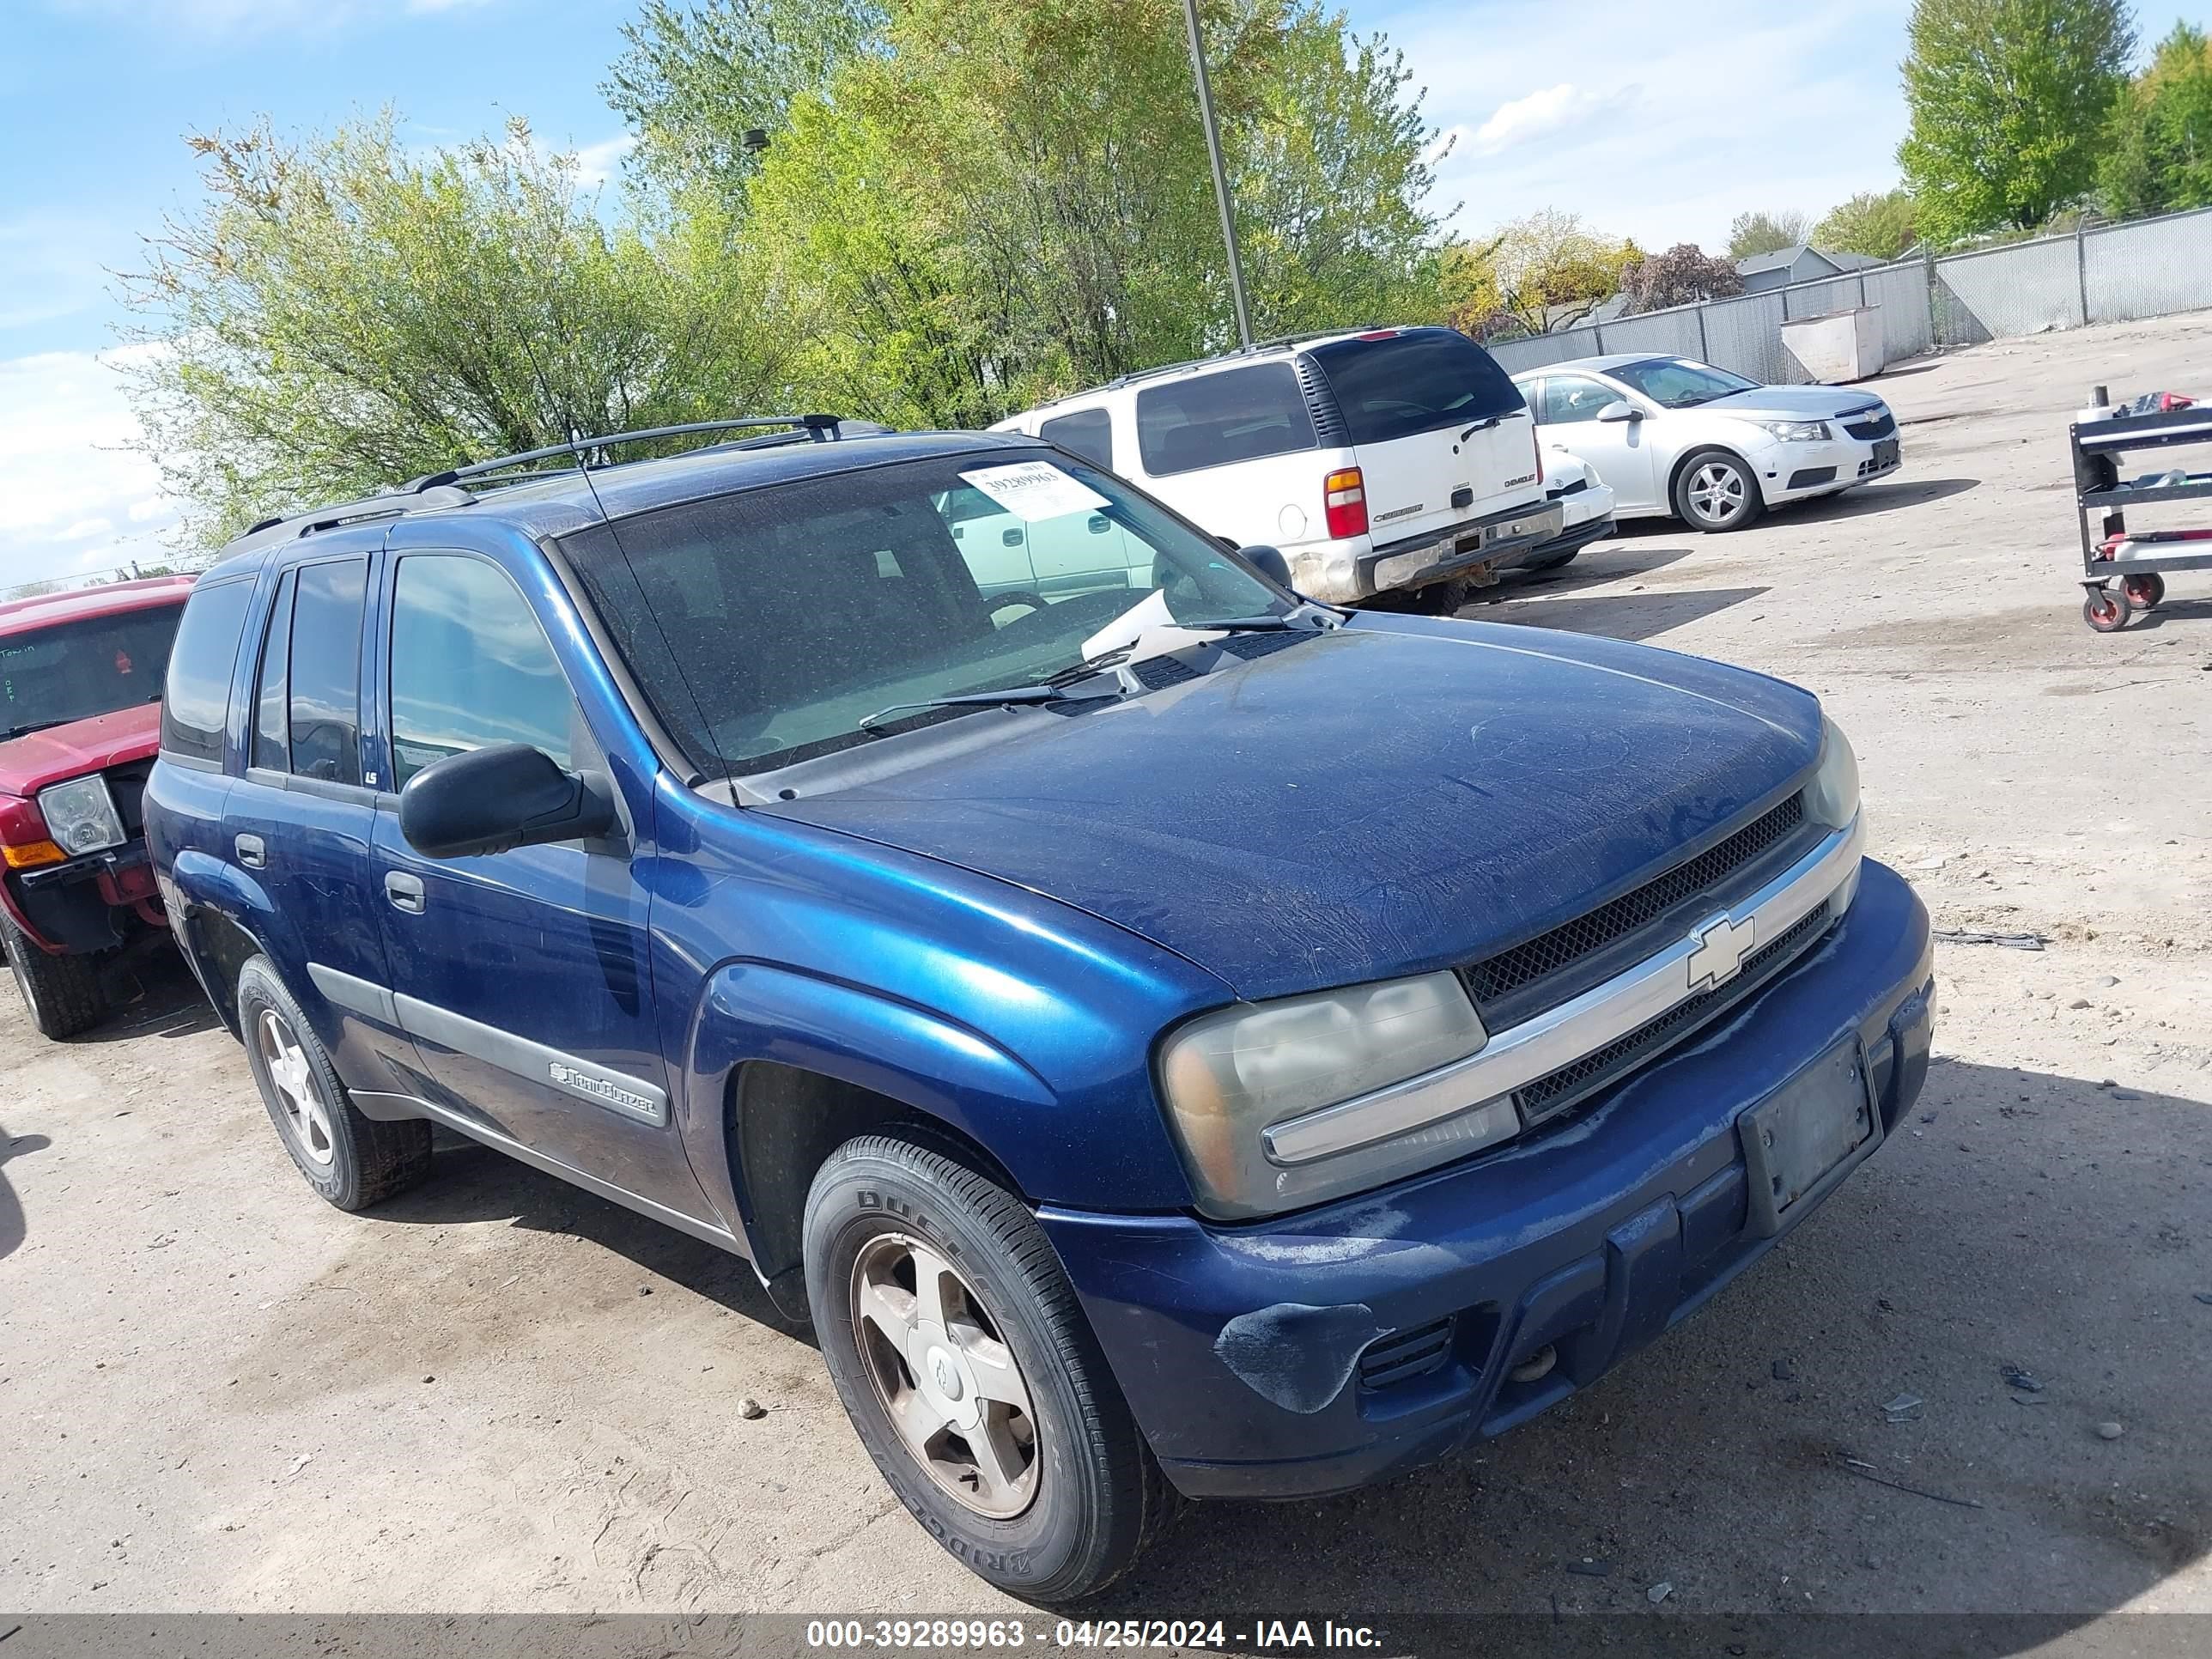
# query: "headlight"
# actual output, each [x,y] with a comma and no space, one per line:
[1229,1076]
[80,815]
[1832,798]
[1796,432]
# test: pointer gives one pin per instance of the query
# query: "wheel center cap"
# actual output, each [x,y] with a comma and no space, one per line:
[946,1373]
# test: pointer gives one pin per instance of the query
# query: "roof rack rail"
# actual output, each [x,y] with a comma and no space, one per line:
[444,489]
[820,428]
[1277,344]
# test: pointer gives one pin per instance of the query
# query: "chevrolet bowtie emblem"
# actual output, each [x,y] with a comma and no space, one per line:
[1721,946]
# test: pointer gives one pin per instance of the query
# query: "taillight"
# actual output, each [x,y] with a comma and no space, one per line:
[1344,494]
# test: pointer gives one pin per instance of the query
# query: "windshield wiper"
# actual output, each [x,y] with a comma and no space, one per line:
[25,731]
[1010,695]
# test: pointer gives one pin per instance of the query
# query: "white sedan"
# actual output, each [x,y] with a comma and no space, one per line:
[1673,436]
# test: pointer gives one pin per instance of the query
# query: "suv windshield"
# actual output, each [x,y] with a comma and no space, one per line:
[765,627]
[73,671]
[1677,383]
[1419,380]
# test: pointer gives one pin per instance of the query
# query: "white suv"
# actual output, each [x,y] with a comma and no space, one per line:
[1388,458]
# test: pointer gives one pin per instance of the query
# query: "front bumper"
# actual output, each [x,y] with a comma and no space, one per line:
[1240,1349]
[1791,472]
[88,904]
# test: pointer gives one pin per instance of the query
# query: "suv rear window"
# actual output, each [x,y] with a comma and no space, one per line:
[1235,414]
[1088,433]
[1413,381]
[198,701]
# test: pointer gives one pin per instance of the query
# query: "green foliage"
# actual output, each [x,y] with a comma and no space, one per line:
[2009,100]
[1683,275]
[1006,202]
[1533,275]
[1880,226]
[1756,233]
[2158,154]
[338,315]
[693,79]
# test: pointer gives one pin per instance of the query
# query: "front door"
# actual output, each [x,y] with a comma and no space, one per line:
[523,977]
[1621,451]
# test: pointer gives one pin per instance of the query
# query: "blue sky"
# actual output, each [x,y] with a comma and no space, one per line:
[1659,122]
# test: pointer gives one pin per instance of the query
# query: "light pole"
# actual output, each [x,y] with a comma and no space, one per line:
[1220,178]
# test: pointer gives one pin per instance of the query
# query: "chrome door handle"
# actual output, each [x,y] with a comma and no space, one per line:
[405,891]
[253,853]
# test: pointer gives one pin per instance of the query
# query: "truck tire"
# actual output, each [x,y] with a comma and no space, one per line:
[970,1374]
[351,1160]
[64,993]
[1717,491]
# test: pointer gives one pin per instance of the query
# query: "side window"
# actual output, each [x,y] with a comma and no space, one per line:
[471,667]
[271,715]
[1088,433]
[1235,415]
[325,663]
[198,700]
[1570,397]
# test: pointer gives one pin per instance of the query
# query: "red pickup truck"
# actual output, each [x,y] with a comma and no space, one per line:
[81,678]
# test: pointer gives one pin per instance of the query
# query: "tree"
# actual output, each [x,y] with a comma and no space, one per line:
[339,315]
[2158,150]
[998,203]
[1879,227]
[1533,275]
[693,80]
[1757,232]
[2008,100]
[1683,275]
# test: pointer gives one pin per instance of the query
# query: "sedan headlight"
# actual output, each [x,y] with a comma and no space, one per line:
[1796,432]
[80,815]
[1231,1078]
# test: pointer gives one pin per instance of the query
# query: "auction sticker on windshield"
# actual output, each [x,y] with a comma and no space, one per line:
[1035,491]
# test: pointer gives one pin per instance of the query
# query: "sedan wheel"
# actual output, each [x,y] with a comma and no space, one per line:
[1717,492]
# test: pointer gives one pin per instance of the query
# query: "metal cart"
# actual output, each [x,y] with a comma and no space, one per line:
[2121,571]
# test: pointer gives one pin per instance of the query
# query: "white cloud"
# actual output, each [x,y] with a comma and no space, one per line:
[67,482]
[1542,113]
[1612,109]
[596,163]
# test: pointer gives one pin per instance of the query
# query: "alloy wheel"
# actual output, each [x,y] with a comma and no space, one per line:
[944,1376]
[307,1115]
[1719,492]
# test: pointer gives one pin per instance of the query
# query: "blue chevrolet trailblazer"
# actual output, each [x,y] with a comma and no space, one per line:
[1173,1038]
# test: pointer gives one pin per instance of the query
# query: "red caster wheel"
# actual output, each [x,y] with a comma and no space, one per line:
[2145,591]
[2107,610]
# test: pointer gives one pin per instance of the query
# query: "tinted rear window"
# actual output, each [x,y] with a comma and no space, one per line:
[198,701]
[1416,381]
[1238,415]
[327,671]
[1088,433]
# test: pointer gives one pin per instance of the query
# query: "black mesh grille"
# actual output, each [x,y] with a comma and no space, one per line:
[1156,672]
[1880,426]
[1403,1355]
[1547,953]
[1558,1089]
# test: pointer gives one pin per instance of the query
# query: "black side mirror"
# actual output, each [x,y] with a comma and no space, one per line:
[505,795]
[1269,562]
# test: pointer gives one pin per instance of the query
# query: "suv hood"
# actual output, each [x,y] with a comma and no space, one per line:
[29,763]
[1392,798]
[1796,403]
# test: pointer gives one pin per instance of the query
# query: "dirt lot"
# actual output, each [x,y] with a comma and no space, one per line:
[500,1394]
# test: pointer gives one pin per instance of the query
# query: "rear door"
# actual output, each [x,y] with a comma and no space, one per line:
[1440,435]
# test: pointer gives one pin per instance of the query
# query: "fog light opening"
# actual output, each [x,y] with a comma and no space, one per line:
[1536,1367]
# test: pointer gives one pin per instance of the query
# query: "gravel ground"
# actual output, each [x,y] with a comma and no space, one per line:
[499,1393]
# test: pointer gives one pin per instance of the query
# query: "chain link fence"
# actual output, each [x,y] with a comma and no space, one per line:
[2110,274]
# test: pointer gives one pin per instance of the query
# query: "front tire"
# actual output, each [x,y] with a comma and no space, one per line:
[970,1374]
[351,1160]
[1716,492]
[62,994]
